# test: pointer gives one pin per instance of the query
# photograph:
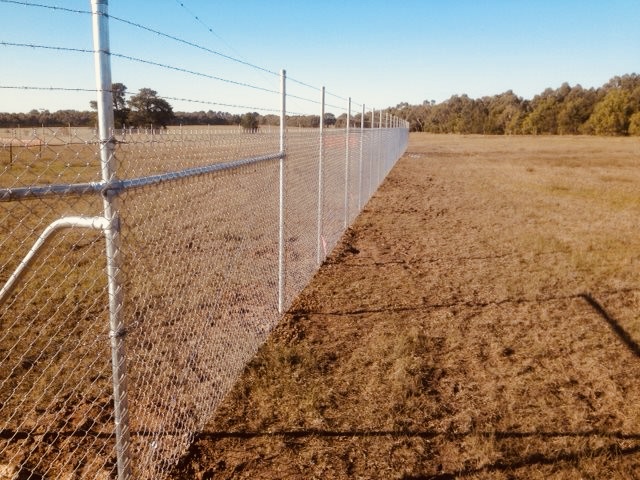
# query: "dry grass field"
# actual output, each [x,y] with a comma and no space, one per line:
[480,320]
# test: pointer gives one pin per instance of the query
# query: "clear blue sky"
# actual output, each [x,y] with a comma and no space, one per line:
[379,52]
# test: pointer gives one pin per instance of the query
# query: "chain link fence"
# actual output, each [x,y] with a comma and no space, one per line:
[141,270]
[199,259]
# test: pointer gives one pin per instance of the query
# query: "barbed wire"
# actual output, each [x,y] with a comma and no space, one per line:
[192,44]
[192,72]
[41,5]
[228,105]
[139,60]
[176,39]
[62,89]
[209,29]
[303,98]
[303,83]
[334,106]
[45,47]
[327,92]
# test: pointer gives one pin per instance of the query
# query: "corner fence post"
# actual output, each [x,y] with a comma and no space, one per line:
[102,61]
[281,212]
[319,248]
[346,169]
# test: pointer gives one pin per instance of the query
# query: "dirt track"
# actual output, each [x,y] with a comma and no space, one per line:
[481,319]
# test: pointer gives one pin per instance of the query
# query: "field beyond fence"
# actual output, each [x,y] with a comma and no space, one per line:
[217,233]
[480,320]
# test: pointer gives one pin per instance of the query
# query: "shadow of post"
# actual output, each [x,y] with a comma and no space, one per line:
[622,334]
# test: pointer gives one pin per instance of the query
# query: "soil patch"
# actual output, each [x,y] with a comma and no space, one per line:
[481,319]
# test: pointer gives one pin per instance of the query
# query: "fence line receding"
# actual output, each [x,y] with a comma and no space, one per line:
[141,269]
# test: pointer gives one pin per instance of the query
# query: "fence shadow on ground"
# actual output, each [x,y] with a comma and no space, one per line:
[618,329]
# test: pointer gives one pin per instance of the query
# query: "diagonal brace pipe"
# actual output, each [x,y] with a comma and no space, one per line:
[96,223]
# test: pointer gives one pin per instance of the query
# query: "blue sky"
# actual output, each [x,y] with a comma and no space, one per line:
[380,53]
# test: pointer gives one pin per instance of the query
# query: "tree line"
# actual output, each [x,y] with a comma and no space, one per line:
[146,109]
[613,109]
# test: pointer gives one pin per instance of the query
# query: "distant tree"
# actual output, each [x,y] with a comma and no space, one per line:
[120,110]
[504,113]
[329,119]
[543,118]
[612,115]
[634,124]
[249,121]
[576,110]
[149,109]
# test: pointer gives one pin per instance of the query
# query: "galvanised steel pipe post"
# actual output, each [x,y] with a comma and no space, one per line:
[360,160]
[281,252]
[102,61]
[319,246]
[379,178]
[346,169]
[371,150]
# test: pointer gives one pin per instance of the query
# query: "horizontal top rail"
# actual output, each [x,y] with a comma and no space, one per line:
[22,193]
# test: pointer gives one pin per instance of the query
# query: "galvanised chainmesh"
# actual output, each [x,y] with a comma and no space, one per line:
[199,259]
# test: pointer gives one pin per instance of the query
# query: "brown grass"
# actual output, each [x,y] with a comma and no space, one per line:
[481,319]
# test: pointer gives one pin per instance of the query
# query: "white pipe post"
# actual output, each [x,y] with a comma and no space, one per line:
[346,169]
[372,150]
[319,247]
[360,160]
[281,212]
[379,177]
[102,61]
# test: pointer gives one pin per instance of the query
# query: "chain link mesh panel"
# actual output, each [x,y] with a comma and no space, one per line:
[55,380]
[199,259]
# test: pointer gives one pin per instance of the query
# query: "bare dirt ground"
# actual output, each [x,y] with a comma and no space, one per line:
[481,319]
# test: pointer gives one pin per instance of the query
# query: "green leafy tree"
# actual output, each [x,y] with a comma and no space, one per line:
[149,109]
[543,118]
[612,115]
[634,124]
[504,113]
[576,109]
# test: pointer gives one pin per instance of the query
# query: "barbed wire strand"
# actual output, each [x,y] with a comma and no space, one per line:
[327,92]
[191,44]
[61,89]
[174,38]
[228,105]
[192,72]
[51,7]
[140,60]
[209,29]
[45,47]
